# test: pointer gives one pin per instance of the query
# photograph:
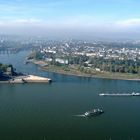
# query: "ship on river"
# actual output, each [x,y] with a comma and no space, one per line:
[120,94]
[94,112]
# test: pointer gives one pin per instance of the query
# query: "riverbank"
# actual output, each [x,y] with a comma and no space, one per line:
[75,71]
[104,75]
[27,79]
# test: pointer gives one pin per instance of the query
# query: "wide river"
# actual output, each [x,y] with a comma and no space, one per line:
[48,111]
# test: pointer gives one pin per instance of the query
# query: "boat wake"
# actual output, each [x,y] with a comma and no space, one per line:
[80,115]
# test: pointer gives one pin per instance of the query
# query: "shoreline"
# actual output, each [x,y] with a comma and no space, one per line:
[87,76]
[90,76]
[106,75]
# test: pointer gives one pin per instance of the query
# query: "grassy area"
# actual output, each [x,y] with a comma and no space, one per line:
[92,73]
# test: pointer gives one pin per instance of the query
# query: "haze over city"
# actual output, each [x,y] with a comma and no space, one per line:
[107,19]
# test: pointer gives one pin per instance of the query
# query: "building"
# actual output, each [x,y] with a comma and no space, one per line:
[61,61]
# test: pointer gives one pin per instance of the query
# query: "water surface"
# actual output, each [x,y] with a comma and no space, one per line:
[47,111]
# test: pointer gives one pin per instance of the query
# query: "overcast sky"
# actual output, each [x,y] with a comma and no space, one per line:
[71,18]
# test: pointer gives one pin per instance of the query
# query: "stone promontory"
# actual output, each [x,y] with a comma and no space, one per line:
[9,75]
[30,79]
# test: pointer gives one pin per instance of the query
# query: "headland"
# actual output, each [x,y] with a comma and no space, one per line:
[9,75]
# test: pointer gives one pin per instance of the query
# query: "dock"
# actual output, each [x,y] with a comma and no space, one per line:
[120,94]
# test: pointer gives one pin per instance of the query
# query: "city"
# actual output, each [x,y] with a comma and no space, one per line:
[69,69]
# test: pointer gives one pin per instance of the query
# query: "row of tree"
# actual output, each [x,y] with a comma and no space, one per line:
[111,65]
[3,67]
[6,70]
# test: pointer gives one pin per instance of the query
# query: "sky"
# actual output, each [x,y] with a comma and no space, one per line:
[71,18]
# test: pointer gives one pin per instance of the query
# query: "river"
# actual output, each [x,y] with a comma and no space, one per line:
[48,111]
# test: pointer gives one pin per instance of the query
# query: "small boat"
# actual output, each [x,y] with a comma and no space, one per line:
[94,112]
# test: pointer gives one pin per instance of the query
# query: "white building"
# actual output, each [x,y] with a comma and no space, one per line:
[61,61]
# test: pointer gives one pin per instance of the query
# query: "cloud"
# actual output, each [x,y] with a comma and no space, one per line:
[20,22]
[27,21]
[84,26]
[65,22]
[134,22]
[82,22]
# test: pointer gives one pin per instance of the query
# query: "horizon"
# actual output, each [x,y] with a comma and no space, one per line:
[108,19]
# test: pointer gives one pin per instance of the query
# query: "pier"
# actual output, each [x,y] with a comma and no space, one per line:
[120,94]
